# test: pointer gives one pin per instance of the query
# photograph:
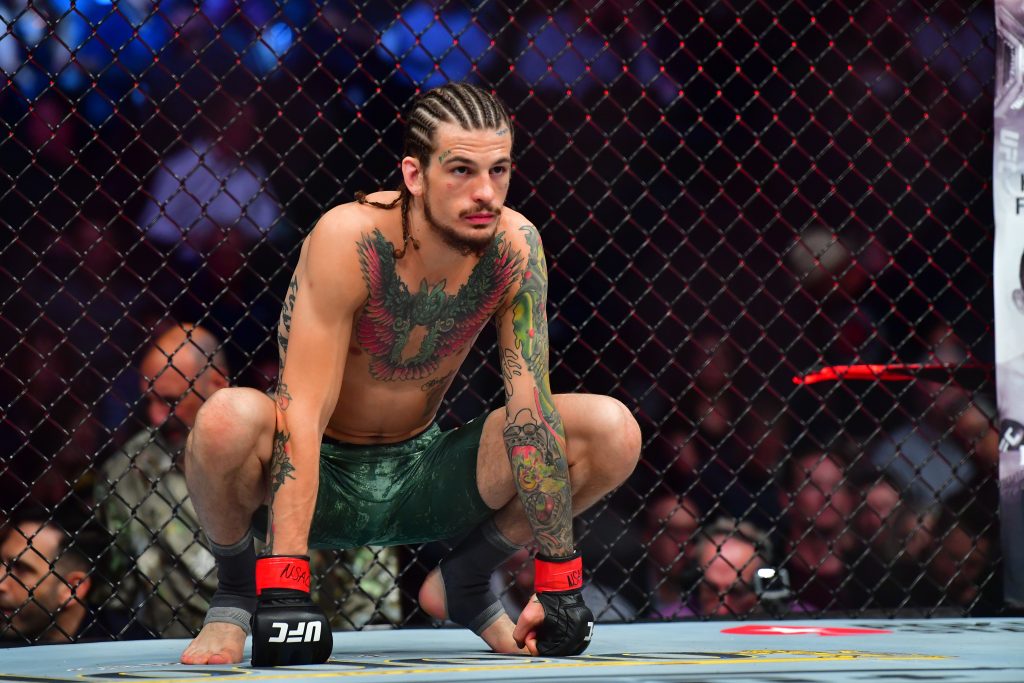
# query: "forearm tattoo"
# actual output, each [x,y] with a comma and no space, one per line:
[510,367]
[284,324]
[284,399]
[534,437]
[530,324]
[541,475]
[281,468]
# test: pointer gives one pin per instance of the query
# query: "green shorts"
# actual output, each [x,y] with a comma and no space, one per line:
[414,491]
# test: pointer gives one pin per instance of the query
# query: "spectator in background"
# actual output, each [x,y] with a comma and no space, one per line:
[729,554]
[836,310]
[54,436]
[671,522]
[210,209]
[817,504]
[891,540]
[45,580]
[210,198]
[724,455]
[945,440]
[960,564]
[168,572]
[833,314]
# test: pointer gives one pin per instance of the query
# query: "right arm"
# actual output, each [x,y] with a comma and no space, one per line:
[320,305]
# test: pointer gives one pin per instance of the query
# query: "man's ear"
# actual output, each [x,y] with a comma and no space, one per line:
[1018,299]
[412,174]
[77,587]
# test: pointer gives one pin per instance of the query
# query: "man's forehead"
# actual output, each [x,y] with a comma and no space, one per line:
[16,542]
[157,367]
[728,549]
[483,141]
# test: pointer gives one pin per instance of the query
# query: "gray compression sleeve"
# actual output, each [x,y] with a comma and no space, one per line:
[235,599]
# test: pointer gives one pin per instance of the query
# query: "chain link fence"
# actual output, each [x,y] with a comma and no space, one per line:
[730,194]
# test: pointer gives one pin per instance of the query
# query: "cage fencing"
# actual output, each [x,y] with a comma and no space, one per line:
[731,194]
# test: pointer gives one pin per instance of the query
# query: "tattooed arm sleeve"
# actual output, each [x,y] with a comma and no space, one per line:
[313,337]
[533,432]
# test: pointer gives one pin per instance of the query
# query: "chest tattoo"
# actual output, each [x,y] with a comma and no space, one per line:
[406,334]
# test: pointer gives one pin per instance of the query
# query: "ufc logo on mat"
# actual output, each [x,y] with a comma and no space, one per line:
[304,632]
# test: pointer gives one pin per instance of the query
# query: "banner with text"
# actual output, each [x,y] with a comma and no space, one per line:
[1008,198]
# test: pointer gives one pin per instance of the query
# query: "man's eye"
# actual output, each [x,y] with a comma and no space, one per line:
[460,170]
[499,170]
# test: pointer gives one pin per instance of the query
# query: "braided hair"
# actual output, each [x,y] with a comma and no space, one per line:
[468,106]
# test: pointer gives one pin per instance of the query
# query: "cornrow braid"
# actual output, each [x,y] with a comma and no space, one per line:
[468,106]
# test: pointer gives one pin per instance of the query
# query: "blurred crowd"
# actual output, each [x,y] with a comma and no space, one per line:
[717,221]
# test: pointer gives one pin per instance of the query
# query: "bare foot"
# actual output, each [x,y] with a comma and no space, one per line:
[498,635]
[217,643]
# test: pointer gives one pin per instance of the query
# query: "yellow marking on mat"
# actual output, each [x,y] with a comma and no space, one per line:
[738,657]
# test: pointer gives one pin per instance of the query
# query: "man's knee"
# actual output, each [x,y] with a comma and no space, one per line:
[628,440]
[231,421]
[616,439]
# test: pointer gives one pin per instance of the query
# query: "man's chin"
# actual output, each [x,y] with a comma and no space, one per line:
[475,242]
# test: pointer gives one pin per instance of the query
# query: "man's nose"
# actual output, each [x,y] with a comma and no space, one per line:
[483,192]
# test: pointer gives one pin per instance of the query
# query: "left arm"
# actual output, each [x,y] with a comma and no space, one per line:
[533,432]
[556,622]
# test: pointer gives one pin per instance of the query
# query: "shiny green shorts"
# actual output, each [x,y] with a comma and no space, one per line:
[414,491]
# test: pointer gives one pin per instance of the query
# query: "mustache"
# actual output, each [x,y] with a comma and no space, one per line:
[480,209]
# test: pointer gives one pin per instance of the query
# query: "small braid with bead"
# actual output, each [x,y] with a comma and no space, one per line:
[468,106]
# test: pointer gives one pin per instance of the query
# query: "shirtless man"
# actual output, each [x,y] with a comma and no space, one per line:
[388,296]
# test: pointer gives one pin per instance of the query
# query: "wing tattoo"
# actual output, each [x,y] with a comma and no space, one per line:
[488,284]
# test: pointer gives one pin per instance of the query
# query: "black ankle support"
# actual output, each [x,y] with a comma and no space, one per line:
[466,574]
[235,599]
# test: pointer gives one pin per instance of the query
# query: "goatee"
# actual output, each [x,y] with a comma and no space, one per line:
[464,243]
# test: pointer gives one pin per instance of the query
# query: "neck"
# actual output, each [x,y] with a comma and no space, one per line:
[434,254]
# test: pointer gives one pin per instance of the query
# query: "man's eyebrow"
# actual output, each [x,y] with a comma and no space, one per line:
[463,161]
[15,563]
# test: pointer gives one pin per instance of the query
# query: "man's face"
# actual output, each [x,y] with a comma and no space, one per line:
[822,499]
[465,185]
[880,510]
[727,586]
[959,564]
[172,401]
[30,593]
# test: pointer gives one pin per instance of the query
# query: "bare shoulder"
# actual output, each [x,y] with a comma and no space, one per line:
[329,265]
[344,223]
[339,231]
[519,232]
